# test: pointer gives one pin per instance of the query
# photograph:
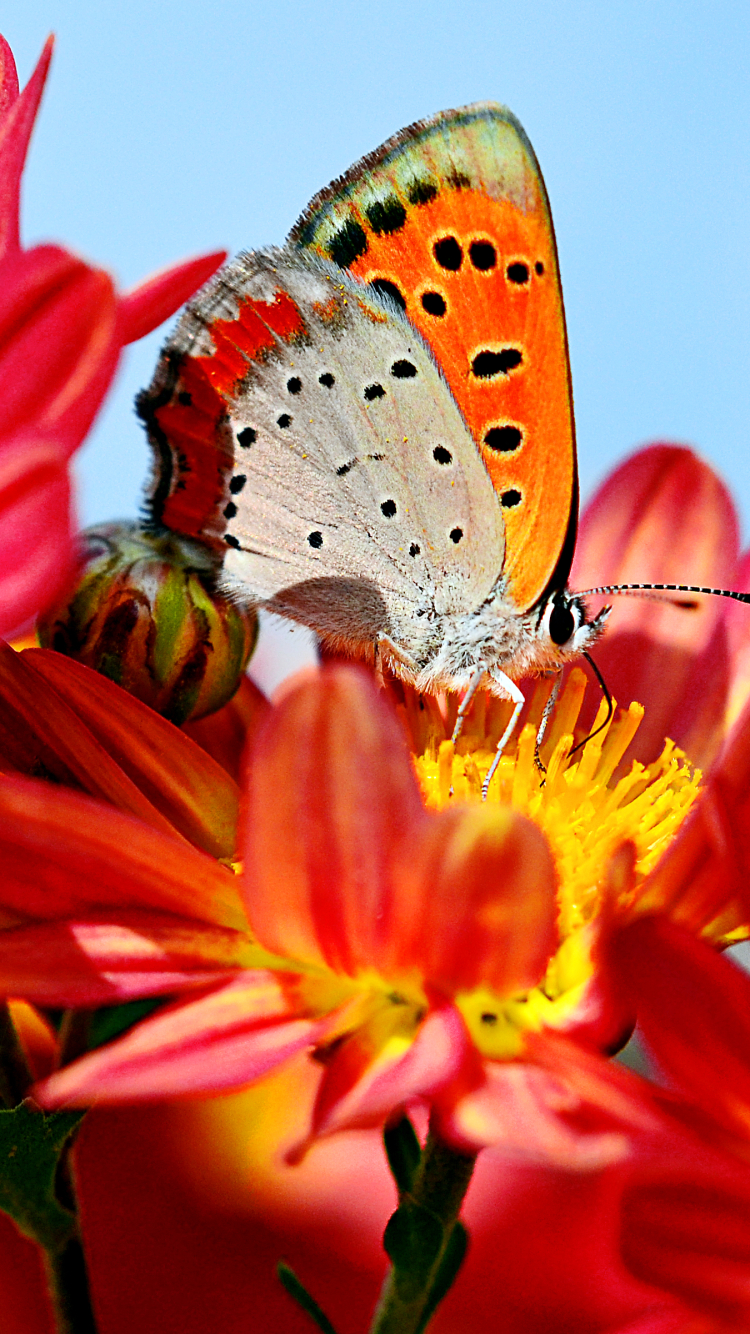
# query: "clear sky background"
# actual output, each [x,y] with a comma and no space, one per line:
[185,125]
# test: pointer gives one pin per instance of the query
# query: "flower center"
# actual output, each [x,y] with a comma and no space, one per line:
[586,812]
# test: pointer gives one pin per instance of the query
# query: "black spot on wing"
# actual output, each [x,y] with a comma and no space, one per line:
[387,288]
[247,437]
[448,253]
[483,255]
[504,439]
[386,215]
[403,369]
[421,192]
[489,363]
[374,391]
[348,243]
[433,303]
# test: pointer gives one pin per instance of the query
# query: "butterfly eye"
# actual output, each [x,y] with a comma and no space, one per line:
[562,623]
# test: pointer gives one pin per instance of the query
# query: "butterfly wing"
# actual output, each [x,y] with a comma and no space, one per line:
[301,425]
[451,218]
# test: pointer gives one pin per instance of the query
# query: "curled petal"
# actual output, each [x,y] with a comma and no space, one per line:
[362,1088]
[36,549]
[702,880]
[531,1112]
[227,1038]
[694,1011]
[63,854]
[194,793]
[475,902]
[17,116]
[665,517]
[331,799]
[152,302]
[128,955]
[58,344]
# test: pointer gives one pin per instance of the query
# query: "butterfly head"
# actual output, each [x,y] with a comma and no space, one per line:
[563,628]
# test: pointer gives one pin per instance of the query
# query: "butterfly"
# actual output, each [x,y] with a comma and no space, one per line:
[372,426]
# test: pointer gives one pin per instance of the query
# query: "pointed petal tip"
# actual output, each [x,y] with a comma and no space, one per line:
[146,306]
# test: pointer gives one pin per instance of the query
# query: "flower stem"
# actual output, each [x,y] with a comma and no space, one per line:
[68,1284]
[424,1240]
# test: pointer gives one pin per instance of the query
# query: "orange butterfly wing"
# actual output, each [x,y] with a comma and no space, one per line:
[451,218]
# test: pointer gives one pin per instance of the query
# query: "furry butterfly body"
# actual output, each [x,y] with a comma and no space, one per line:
[388,457]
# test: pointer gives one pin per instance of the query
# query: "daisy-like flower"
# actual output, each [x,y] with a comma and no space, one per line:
[411,951]
[62,329]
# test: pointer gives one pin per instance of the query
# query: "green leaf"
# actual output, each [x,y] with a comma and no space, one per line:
[32,1143]
[298,1292]
[413,1240]
[453,1258]
[404,1153]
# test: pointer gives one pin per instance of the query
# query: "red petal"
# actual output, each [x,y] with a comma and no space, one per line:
[58,344]
[223,1040]
[63,853]
[332,798]
[15,132]
[703,880]
[130,954]
[665,517]
[694,1012]
[146,306]
[36,549]
[181,780]
[475,903]
[362,1089]
[224,734]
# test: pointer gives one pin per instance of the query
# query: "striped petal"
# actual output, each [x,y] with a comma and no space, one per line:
[225,733]
[191,790]
[227,1038]
[331,798]
[663,516]
[63,853]
[126,956]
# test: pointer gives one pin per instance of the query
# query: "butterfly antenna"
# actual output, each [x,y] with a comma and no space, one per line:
[607,696]
[665,588]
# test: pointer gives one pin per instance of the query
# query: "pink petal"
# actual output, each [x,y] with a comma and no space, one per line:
[58,345]
[737,618]
[223,1040]
[358,1090]
[36,549]
[146,306]
[532,1114]
[663,516]
[63,854]
[8,80]
[15,132]
[128,955]
[331,800]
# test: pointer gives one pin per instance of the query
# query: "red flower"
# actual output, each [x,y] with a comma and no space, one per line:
[62,328]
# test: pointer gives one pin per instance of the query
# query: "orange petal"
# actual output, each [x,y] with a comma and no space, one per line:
[130,954]
[475,903]
[225,1039]
[331,798]
[224,734]
[665,517]
[194,792]
[63,853]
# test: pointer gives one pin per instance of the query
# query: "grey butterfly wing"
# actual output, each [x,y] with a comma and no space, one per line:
[358,500]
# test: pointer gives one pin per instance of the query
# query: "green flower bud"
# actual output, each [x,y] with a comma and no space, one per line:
[146,613]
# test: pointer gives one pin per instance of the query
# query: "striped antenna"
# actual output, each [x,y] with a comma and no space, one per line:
[664,588]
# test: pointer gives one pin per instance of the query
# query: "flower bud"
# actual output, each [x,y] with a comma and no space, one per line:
[146,613]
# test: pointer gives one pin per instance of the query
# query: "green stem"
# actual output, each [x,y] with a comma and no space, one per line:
[409,1292]
[67,1279]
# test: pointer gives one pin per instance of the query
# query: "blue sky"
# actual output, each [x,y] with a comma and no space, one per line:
[179,127]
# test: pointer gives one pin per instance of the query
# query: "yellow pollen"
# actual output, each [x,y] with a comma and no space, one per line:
[586,806]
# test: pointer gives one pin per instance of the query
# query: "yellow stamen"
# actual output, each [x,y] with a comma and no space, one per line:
[587,808]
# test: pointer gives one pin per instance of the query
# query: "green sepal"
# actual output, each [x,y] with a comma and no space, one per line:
[453,1258]
[32,1143]
[298,1292]
[413,1239]
[404,1153]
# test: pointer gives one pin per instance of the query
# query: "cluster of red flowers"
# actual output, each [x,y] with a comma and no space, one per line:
[271,880]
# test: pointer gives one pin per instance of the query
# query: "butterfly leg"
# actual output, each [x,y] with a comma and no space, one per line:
[549,706]
[383,649]
[474,685]
[511,691]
